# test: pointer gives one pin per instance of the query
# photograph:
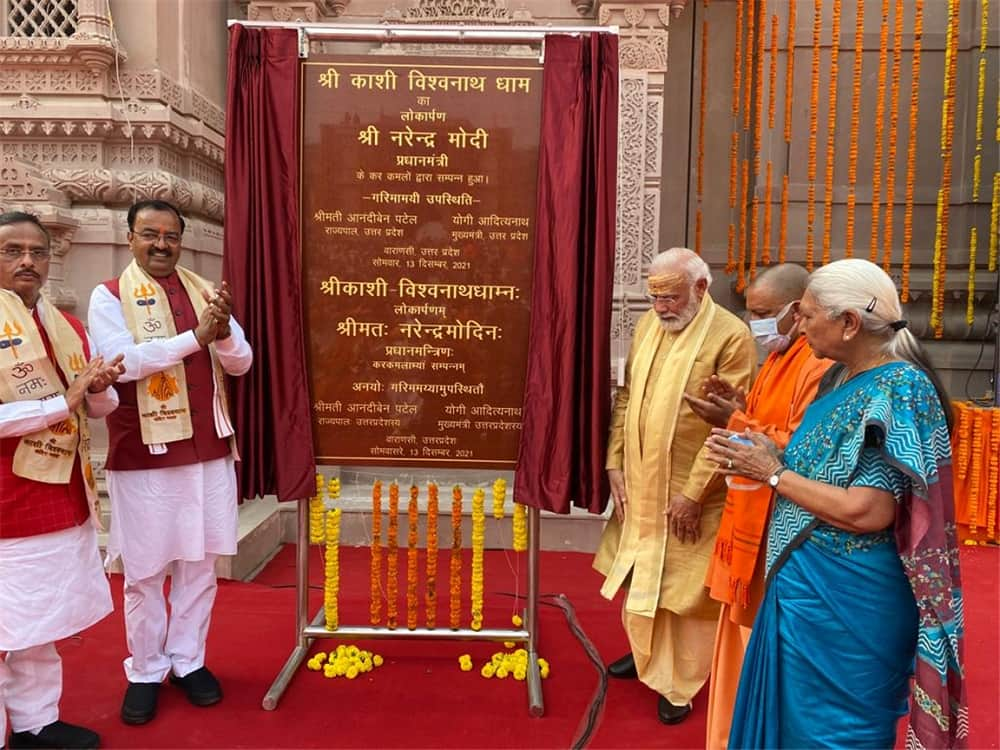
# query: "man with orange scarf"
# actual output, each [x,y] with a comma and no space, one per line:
[774,406]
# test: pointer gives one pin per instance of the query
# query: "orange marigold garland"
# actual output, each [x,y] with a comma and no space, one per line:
[392,563]
[331,579]
[702,108]
[738,59]
[375,601]
[751,18]
[852,150]
[772,77]
[890,187]
[831,131]
[790,68]
[813,117]
[478,544]
[994,222]
[978,440]
[741,264]
[964,438]
[883,57]
[455,563]
[430,585]
[911,150]
[413,525]
[758,122]
[994,488]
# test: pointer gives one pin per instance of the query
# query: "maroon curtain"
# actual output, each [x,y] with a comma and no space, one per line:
[567,393]
[262,263]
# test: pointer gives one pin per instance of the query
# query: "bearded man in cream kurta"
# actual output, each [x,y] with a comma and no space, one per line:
[170,466]
[668,498]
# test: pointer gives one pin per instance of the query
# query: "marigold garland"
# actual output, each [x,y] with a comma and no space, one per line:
[813,117]
[499,497]
[790,70]
[375,575]
[970,303]
[520,528]
[944,193]
[754,236]
[317,531]
[751,19]
[392,562]
[478,544]
[883,58]
[730,248]
[977,166]
[765,256]
[413,525]
[331,582]
[742,262]
[758,122]
[772,77]
[831,131]
[974,480]
[890,187]
[738,60]
[964,437]
[455,563]
[911,151]
[346,661]
[852,150]
[430,584]
[994,222]
[994,488]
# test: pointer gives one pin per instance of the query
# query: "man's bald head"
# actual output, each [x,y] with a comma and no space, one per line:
[783,283]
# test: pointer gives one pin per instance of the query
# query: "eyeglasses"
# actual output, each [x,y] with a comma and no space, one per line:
[11,253]
[654,298]
[150,237]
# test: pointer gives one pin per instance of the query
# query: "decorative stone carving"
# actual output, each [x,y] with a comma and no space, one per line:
[20,183]
[631,142]
[294,10]
[454,11]
[90,46]
[642,36]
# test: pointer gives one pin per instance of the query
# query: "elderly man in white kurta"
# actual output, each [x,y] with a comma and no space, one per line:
[170,465]
[52,584]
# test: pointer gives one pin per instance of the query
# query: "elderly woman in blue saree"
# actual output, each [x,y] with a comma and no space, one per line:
[863,588]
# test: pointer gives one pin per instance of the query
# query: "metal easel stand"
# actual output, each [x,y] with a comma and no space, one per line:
[307,631]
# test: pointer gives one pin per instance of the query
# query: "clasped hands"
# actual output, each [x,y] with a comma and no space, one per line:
[213,324]
[720,400]
[95,377]
[758,461]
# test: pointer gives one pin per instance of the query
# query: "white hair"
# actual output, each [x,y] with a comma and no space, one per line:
[862,287]
[683,260]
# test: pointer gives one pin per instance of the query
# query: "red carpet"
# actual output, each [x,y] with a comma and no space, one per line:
[419,698]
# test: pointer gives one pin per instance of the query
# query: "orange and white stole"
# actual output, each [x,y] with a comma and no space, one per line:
[27,374]
[164,410]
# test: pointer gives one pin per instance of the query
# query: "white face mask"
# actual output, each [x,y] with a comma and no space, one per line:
[765,332]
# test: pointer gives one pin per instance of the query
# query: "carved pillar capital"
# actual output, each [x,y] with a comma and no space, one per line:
[642,31]
[295,10]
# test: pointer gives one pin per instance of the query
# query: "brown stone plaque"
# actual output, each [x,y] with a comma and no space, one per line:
[418,211]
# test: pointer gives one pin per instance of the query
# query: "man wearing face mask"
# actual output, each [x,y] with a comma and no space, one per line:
[774,406]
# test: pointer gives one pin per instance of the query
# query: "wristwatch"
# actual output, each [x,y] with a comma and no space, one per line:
[776,476]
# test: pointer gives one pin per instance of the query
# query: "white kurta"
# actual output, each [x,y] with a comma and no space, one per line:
[176,512]
[51,585]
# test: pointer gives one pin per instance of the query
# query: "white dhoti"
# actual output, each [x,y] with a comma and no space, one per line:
[52,586]
[174,520]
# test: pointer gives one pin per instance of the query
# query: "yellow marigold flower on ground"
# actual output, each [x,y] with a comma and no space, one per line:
[508,644]
[313,665]
[487,671]
[497,658]
[520,674]
[465,666]
[516,619]
[352,672]
[542,662]
[502,672]
[521,653]
[544,671]
[329,670]
[320,656]
[377,660]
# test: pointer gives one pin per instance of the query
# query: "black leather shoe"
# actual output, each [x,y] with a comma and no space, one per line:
[58,734]
[200,687]
[668,713]
[624,668]
[139,705]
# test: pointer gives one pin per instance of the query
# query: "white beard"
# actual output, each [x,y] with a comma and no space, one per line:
[681,321]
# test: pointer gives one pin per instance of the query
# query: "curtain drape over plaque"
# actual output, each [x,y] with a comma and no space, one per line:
[262,262]
[567,392]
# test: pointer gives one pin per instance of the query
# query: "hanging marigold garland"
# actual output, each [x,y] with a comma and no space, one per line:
[852,149]
[911,150]
[734,137]
[977,162]
[978,447]
[392,562]
[478,545]
[430,585]
[831,131]
[964,437]
[413,524]
[758,127]
[944,192]
[455,562]
[994,221]
[813,118]
[499,497]
[883,60]
[741,264]
[994,489]
[772,76]
[970,303]
[789,88]
[702,109]
[317,529]
[375,575]
[520,528]
[331,579]
[890,186]
[751,17]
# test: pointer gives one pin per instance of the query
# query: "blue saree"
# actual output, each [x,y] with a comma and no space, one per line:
[848,618]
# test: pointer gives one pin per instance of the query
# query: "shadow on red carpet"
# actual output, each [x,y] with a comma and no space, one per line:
[420,698]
